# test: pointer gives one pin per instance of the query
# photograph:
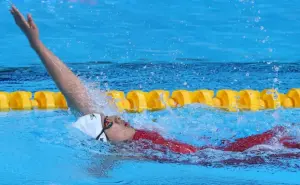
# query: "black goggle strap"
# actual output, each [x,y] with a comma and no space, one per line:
[107,125]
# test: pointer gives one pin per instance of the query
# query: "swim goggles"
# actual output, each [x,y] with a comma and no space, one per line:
[106,125]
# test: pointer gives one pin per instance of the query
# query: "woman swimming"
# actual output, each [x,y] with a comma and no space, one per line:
[113,128]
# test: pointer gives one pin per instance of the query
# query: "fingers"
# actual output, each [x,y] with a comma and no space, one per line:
[30,21]
[14,10]
[19,18]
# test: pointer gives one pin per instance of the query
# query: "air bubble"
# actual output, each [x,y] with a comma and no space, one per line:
[276,68]
[257,19]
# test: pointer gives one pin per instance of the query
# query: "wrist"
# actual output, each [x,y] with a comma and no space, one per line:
[36,44]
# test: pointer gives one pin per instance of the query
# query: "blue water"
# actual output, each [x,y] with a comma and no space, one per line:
[42,147]
[126,31]
[128,45]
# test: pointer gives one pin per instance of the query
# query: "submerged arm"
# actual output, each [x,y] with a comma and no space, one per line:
[72,88]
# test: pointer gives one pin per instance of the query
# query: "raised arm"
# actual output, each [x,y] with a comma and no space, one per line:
[72,88]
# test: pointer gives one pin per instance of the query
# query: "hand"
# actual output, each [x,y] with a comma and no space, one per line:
[27,26]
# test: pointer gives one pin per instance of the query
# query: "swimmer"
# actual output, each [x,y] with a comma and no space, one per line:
[113,128]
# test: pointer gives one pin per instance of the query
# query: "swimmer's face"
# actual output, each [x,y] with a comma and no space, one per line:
[117,132]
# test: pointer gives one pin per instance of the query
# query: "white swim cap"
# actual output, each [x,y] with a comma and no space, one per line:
[91,125]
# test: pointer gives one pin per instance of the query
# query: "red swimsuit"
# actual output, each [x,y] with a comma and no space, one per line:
[239,145]
[156,138]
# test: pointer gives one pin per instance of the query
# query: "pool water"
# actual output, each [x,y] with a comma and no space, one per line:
[168,31]
[41,146]
[159,45]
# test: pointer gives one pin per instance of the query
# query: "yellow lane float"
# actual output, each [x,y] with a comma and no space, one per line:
[291,99]
[45,100]
[155,100]
[226,99]
[4,101]
[182,97]
[249,100]
[119,100]
[138,101]
[203,96]
[60,100]
[270,99]
[158,100]
[21,100]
